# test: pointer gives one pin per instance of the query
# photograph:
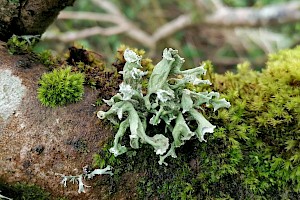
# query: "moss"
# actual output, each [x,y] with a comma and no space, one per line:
[97,75]
[60,87]
[153,180]
[254,152]
[20,191]
[48,59]
[22,44]
[261,130]
[24,191]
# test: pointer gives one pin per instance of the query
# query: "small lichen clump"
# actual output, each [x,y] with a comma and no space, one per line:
[79,178]
[146,63]
[60,87]
[167,102]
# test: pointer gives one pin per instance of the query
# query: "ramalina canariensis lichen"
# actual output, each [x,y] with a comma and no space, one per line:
[167,101]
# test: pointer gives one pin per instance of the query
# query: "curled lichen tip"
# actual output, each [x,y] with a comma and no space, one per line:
[101,114]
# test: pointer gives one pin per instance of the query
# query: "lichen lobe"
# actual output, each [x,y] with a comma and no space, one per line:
[11,93]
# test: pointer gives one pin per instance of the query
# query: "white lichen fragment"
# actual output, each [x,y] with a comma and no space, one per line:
[79,178]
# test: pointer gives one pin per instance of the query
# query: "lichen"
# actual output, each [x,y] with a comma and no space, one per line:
[253,152]
[86,175]
[120,61]
[11,93]
[166,100]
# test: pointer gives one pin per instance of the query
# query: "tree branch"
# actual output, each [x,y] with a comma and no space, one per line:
[252,17]
[89,16]
[222,16]
[172,27]
[30,17]
[108,6]
[76,35]
[114,16]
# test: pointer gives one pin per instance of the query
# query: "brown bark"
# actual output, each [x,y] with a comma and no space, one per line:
[28,17]
[68,135]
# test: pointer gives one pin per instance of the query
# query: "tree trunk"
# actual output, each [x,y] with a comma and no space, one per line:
[28,17]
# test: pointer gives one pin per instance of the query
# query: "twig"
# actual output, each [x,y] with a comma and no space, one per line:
[222,16]
[76,35]
[172,27]
[108,6]
[251,17]
[89,16]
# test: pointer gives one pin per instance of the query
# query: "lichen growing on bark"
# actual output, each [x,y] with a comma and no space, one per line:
[167,102]
[254,151]
[11,93]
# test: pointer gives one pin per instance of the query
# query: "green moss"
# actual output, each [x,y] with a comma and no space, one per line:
[155,181]
[97,75]
[263,126]
[60,87]
[47,59]
[22,44]
[21,191]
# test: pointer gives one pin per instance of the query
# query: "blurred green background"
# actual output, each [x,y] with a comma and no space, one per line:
[224,46]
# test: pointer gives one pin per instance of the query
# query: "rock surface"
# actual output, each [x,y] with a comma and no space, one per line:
[36,141]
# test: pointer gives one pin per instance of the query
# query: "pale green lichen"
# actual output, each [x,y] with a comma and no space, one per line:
[11,93]
[167,101]
[79,178]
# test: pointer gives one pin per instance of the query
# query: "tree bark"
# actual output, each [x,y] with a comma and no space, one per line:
[28,17]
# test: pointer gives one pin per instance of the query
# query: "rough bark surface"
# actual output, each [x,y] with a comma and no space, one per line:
[28,17]
[36,141]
